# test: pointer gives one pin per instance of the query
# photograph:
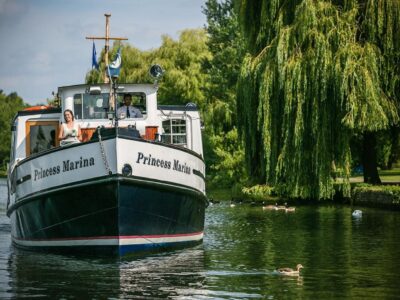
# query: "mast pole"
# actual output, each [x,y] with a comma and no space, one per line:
[107,39]
[107,47]
[113,85]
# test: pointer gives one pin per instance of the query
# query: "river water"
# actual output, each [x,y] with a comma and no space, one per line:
[343,258]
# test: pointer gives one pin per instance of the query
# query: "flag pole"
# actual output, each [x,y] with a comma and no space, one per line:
[107,47]
[113,87]
[107,39]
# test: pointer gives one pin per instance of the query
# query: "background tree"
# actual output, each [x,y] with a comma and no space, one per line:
[9,106]
[183,81]
[225,157]
[182,60]
[380,25]
[311,80]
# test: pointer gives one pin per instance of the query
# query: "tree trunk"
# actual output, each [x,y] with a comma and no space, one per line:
[394,152]
[369,159]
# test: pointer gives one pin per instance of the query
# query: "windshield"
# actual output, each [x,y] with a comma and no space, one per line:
[88,106]
[138,100]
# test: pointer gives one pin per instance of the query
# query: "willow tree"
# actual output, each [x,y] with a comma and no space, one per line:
[316,73]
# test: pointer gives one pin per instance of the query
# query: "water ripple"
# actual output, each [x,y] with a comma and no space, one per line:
[342,258]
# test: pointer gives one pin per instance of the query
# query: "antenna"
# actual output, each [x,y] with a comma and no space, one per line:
[107,39]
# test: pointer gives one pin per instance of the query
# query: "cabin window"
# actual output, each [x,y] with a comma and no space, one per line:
[174,132]
[40,136]
[138,101]
[88,106]
[13,141]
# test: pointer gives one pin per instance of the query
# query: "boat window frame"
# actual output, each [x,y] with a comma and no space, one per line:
[139,101]
[173,134]
[29,124]
[13,141]
[84,112]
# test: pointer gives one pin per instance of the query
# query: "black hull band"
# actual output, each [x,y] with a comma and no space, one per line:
[117,216]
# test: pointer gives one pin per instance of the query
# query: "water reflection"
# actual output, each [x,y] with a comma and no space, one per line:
[60,276]
[164,275]
[343,258]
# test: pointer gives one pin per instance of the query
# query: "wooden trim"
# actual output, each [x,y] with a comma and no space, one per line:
[87,134]
[28,125]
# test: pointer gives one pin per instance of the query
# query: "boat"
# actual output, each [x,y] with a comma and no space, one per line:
[131,185]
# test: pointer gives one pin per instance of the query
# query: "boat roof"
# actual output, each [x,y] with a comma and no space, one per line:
[147,88]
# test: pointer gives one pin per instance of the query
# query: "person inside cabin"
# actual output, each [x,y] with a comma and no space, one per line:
[127,110]
[52,142]
[70,131]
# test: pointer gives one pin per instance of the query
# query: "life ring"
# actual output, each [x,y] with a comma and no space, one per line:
[38,107]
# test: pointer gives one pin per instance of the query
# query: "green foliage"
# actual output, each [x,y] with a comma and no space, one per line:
[392,190]
[258,192]
[224,151]
[183,81]
[388,149]
[226,45]
[311,80]
[219,194]
[381,26]
[227,167]
[9,106]
[182,60]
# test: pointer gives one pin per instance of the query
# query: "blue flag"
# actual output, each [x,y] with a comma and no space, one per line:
[115,67]
[95,65]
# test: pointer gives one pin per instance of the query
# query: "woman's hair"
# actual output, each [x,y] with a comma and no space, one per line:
[72,114]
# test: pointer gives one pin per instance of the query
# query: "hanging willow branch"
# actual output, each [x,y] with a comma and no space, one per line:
[311,85]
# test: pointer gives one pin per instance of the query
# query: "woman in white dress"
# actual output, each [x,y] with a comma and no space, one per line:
[69,132]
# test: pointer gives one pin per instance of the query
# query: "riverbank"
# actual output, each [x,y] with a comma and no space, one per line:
[385,196]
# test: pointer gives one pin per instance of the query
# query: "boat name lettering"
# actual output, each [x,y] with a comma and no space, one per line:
[67,165]
[181,167]
[161,163]
[41,173]
[77,164]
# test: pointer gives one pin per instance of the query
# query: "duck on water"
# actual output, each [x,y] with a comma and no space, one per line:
[285,207]
[290,271]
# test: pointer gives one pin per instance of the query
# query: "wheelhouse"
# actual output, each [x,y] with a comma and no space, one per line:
[36,130]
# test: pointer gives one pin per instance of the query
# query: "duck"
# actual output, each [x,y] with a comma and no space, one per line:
[357,213]
[289,209]
[290,271]
[280,207]
[213,201]
[269,207]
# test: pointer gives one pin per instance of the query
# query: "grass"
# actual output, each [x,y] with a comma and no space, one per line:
[390,175]
[387,176]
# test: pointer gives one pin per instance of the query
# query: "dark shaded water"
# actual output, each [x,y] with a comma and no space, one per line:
[344,258]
